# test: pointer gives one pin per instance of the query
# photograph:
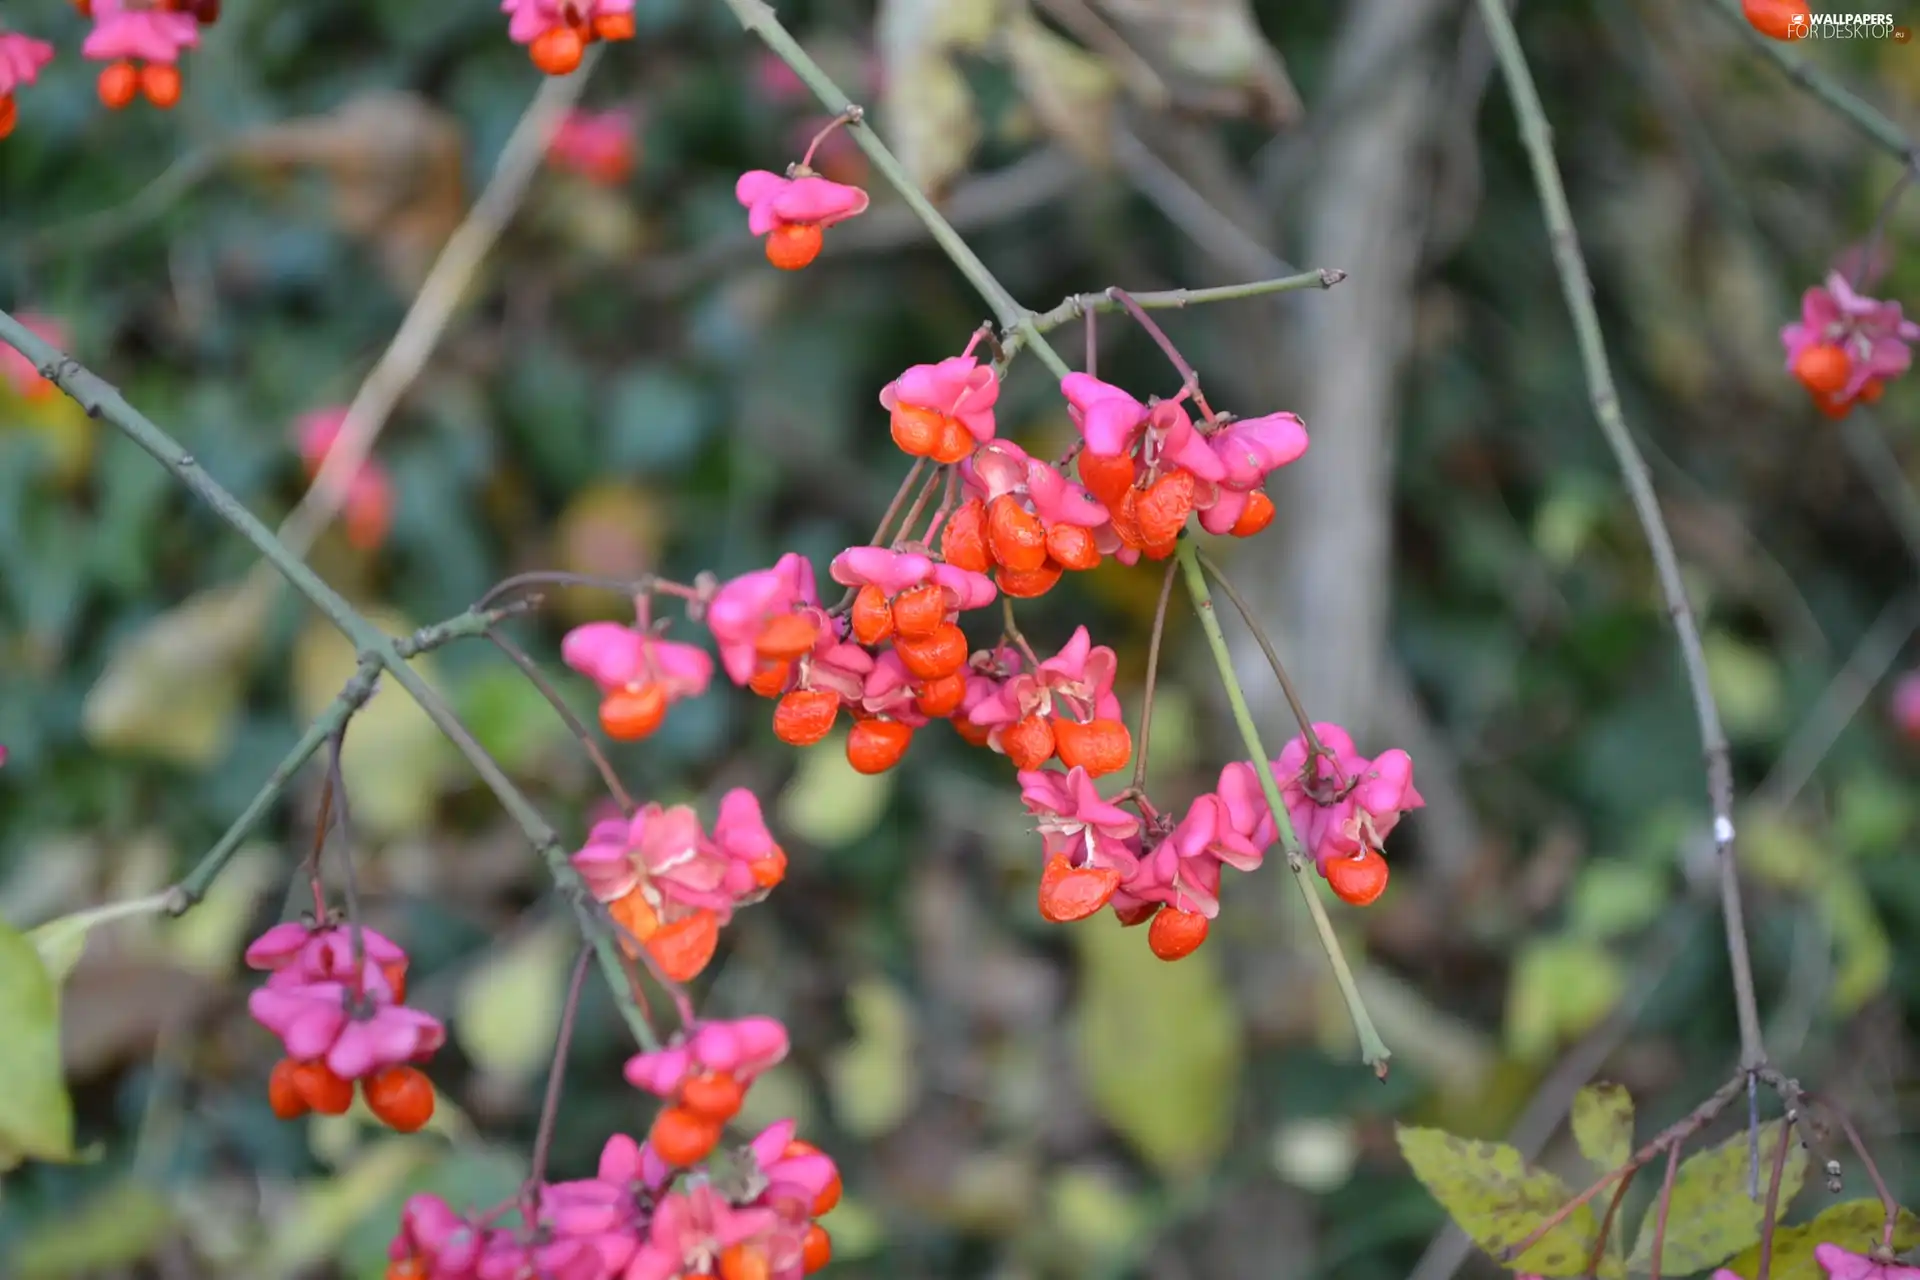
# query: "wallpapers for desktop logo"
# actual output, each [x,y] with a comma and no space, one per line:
[1794,20]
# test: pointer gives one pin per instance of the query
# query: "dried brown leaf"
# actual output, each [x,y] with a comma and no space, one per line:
[396,163]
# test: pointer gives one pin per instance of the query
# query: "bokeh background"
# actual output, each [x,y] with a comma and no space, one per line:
[626,385]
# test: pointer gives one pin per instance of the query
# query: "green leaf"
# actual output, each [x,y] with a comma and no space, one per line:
[1863,959]
[172,690]
[1603,1124]
[36,1115]
[1499,1200]
[829,803]
[1710,1217]
[1855,1225]
[1746,683]
[509,1008]
[510,718]
[1559,989]
[1160,1047]
[874,1080]
[1094,1215]
[114,1228]
[1613,898]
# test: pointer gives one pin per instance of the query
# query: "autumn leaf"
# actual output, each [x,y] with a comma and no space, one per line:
[1711,1217]
[1603,1124]
[1499,1200]
[1854,1225]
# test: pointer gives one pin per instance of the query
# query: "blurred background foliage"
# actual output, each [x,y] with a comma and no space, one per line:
[628,386]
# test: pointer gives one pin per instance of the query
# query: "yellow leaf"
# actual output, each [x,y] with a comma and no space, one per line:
[1499,1200]
[1746,683]
[1710,1217]
[1854,1226]
[36,1114]
[116,1227]
[1778,851]
[394,760]
[1071,91]
[1559,989]
[1160,1047]
[875,1080]
[1094,1215]
[172,689]
[509,1008]
[609,531]
[1603,1124]
[857,1231]
[829,803]
[926,109]
[1864,956]
[211,936]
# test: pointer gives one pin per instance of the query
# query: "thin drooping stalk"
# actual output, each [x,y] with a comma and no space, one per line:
[1153,678]
[1577,285]
[1890,1205]
[375,647]
[1772,1210]
[556,1075]
[1372,1049]
[1661,1208]
[581,734]
[1020,328]
[1271,654]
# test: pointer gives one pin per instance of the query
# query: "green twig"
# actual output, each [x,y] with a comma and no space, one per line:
[375,647]
[1577,285]
[1372,1049]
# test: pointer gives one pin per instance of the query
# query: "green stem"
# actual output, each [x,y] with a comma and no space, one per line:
[1023,329]
[1373,1051]
[758,17]
[1862,114]
[1577,285]
[189,892]
[376,648]
[1083,304]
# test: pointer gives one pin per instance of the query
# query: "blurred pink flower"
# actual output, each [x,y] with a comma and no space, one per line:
[599,146]
[741,609]
[21,57]
[1842,1264]
[1906,705]
[125,29]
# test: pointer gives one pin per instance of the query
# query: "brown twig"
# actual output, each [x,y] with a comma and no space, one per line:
[1772,1209]
[1887,1202]
[1661,1206]
[556,1084]
[1606,1224]
[1189,376]
[1669,1139]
